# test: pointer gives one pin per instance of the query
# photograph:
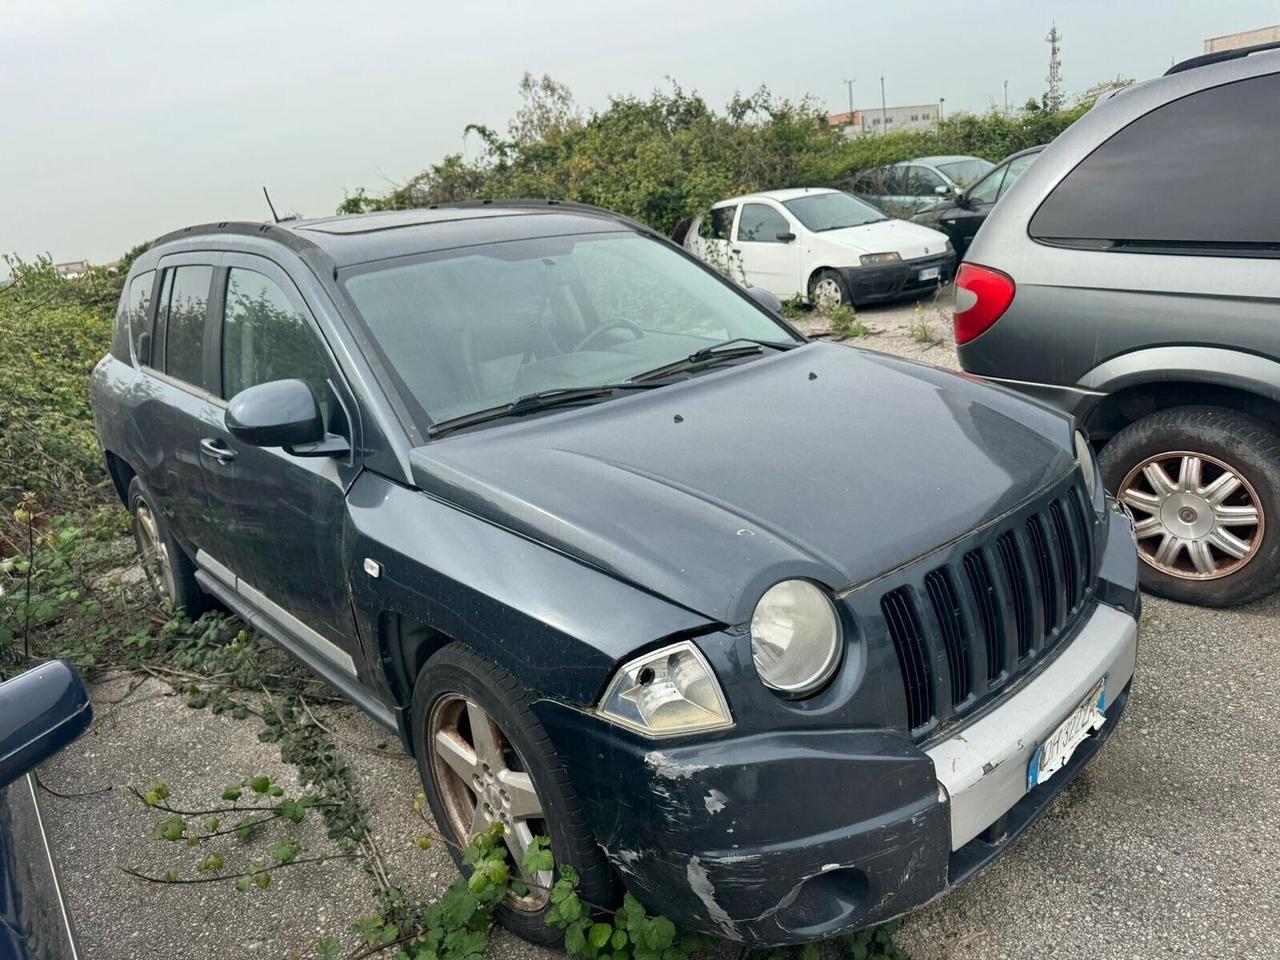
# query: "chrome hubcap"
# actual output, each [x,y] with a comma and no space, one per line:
[1198,518]
[483,781]
[156,563]
[826,293]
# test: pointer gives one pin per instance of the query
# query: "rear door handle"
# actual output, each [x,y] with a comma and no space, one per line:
[213,447]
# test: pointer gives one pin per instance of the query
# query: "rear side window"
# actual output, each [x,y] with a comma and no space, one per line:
[722,222]
[1197,172]
[185,310]
[136,303]
[265,338]
[760,223]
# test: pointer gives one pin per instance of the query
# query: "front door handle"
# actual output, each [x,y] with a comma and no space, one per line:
[213,447]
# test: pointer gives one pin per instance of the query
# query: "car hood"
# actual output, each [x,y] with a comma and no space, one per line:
[825,462]
[909,240]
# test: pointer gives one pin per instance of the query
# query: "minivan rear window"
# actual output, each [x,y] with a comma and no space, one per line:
[1198,172]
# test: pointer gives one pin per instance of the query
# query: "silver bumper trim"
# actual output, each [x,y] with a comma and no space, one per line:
[983,767]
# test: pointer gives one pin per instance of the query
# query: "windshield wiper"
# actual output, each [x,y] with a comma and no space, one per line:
[531,403]
[716,353]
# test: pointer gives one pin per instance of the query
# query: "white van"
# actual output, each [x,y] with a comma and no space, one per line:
[822,244]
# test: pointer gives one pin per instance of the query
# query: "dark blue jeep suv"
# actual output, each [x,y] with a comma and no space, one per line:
[783,636]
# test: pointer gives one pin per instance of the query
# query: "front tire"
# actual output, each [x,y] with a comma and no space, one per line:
[1203,484]
[827,288]
[483,756]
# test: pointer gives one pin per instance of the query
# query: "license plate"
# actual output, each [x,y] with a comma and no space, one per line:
[1052,755]
[931,274]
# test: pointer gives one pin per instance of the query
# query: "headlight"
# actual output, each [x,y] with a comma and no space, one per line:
[795,637]
[666,692]
[1084,453]
[871,259]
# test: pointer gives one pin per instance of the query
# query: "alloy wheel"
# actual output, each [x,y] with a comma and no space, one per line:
[1199,518]
[483,781]
[154,553]
[827,293]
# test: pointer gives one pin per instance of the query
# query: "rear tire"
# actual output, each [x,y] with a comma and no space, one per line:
[1197,543]
[168,569]
[449,686]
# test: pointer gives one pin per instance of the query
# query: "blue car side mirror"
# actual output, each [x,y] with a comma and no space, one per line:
[41,711]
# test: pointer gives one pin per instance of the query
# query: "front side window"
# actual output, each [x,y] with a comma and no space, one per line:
[988,189]
[185,310]
[761,223]
[472,329]
[832,211]
[1196,172]
[1016,169]
[265,338]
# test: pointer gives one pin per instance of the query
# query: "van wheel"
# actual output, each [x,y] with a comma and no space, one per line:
[827,289]
[484,758]
[1203,484]
[168,569]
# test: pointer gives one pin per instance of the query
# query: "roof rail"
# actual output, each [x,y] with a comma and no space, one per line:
[527,202]
[1220,56]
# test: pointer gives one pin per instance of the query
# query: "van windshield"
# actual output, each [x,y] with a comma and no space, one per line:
[832,211]
[470,329]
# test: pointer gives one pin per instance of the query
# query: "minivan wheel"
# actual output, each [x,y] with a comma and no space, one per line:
[484,758]
[1203,484]
[827,288]
[168,569]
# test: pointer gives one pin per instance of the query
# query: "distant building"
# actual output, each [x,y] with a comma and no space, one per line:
[873,120]
[72,269]
[1247,38]
[1106,86]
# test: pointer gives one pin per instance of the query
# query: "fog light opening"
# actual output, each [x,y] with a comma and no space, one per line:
[825,902]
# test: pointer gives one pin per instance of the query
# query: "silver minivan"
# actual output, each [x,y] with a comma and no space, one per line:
[1132,278]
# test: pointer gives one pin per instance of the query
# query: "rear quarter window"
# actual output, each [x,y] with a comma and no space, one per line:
[134,316]
[1199,172]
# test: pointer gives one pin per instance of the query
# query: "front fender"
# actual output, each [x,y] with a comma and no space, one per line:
[557,625]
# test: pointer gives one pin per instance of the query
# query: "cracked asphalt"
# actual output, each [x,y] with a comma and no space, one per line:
[1167,845]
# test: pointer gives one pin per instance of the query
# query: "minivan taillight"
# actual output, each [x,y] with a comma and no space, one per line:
[982,297]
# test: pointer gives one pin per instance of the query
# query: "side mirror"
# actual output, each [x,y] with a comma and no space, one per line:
[282,413]
[766,299]
[942,189]
[41,711]
[786,236]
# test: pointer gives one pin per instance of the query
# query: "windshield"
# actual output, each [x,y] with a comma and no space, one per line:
[832,211]
[965,172]
[475,328]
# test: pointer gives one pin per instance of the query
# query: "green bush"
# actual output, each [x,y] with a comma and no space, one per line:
[669,156]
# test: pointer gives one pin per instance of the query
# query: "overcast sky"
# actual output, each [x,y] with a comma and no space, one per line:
[123,121]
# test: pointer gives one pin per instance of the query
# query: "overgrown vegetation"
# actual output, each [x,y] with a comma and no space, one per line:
[671,155]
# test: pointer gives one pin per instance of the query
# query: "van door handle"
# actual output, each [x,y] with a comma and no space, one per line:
[213,447]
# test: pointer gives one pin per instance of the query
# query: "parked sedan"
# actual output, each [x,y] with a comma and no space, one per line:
[624,559]
[960,217]
[41,712]
[904,189]
[820,244]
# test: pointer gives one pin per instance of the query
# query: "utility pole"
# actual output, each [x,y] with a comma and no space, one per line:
[884,111]
[1053,95]
[942,108]
[849,84]
[1006,98]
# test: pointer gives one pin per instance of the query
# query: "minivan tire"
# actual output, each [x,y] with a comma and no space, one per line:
[456,671]
[1248,447]
[173,572]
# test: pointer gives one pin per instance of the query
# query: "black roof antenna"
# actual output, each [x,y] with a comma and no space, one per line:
[274,215]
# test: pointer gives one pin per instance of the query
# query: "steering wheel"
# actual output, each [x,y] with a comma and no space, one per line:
[611,325]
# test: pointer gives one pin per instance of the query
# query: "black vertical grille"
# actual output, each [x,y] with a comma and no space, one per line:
[983,590]
[962,629]
[946,607]
[913,655]
[1018,593]
[1043,565]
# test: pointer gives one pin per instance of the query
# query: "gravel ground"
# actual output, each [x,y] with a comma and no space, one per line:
[1167,845]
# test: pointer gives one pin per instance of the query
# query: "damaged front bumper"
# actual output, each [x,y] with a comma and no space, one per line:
[789,835]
